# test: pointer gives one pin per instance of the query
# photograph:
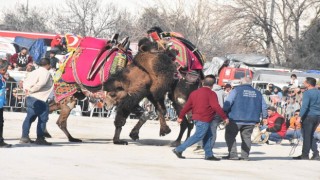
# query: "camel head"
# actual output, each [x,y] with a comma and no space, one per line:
[160,46]
[114,91]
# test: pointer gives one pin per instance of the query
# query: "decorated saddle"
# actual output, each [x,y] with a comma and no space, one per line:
[92,62]
[189,58]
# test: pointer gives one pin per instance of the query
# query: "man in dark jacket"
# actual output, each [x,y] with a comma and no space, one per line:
[204,105]
[244,106]
[21,60]
[275,124]
[310,115]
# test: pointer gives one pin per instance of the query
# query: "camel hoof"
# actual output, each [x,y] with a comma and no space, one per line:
[175,144]
[164,131]
[120,142]
[74,140]
[134,135]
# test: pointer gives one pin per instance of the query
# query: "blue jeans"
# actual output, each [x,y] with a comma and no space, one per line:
[293,134]
[35,109]
[213,126]
[273,136]
[203,132]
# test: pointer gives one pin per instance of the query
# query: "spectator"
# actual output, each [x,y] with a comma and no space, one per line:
[38,87]
[30,68]
[274,124]
[18,97]
[294,130]
[244,106]
[3,70]
[227,89]
[294,81]
[10,85]
[21,60]
[204,105]
[310,115]
[53,60]
[292,106]
[276,96]
[285,91]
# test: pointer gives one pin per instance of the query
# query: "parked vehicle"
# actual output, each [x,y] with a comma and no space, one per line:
[229,74]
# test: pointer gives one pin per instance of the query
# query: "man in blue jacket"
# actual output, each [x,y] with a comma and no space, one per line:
[3,69]
[310,115]
[244,106]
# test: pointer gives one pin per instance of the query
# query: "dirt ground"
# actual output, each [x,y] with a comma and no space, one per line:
[149,158]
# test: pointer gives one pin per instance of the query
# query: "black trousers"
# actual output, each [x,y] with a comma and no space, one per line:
[232,130]
[309,125]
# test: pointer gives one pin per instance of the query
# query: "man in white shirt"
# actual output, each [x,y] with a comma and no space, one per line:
[38,86]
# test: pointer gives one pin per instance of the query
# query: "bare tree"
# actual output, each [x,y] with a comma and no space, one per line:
[87,18]
[23,18]
[298,8]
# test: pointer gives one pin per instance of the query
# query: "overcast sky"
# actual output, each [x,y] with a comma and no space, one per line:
[131,5]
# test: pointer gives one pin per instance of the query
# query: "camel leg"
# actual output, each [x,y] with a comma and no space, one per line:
[120,120]
[52,107]
[161,111]
[143,117]
[62,120]
[183,127]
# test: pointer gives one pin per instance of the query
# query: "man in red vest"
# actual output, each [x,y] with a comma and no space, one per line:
[275,125]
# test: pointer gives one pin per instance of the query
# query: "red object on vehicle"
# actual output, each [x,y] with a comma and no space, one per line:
[228,74]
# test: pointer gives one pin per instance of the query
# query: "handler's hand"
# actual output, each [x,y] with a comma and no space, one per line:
[179,120]
[226,121]
[263,131]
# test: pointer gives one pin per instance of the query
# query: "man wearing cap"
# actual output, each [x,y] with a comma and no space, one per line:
[244,106]
[310,116]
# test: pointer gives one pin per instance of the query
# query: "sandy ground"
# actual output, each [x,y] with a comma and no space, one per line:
[149,158]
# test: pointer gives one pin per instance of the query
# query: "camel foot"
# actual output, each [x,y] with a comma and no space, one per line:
[120,142]
[164,130]
[175,143]
[74,140]
[134,135]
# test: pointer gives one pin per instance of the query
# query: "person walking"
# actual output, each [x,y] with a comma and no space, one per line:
[244,106]
[204,105]
[38,86]
[3,69]
[217,119]
[310,116]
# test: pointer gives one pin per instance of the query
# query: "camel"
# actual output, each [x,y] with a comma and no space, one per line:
[152,75]
[158,64]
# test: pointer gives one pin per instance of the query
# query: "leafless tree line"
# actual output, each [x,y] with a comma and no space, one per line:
[275,28]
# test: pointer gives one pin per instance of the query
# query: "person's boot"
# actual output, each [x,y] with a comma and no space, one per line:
[4,145]
[42,141]
[178,154]
[212,158]
[315,157]
[301,157]
[25,140]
